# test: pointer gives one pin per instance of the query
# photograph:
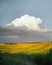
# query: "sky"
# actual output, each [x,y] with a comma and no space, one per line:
[25,20]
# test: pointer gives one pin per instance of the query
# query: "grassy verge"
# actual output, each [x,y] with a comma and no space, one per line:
[26,59]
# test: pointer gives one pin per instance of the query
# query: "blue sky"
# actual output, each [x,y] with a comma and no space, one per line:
[12,9]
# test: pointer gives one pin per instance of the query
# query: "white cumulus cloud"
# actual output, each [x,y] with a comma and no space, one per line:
[30,22]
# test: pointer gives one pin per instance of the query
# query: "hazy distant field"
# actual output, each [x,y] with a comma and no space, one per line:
[27,48]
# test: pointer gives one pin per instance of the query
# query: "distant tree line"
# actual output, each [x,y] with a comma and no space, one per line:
[29,42]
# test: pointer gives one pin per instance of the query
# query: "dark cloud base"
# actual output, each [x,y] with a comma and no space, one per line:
[12,35]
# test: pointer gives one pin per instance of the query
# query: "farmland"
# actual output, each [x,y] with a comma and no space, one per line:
[26,53]
[27,48]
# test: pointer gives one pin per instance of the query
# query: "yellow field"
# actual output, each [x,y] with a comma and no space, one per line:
[26,47]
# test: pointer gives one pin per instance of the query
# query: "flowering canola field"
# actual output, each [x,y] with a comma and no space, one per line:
[27,48]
